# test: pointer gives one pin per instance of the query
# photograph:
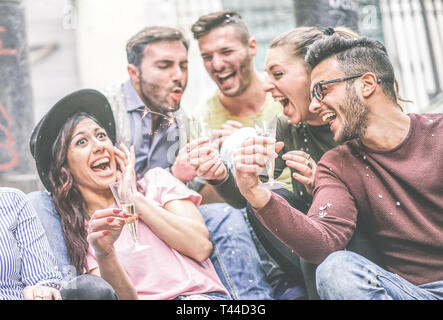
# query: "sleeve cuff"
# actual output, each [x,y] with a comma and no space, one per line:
[228,175]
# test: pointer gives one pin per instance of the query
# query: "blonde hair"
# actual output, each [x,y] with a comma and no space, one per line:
[299,39]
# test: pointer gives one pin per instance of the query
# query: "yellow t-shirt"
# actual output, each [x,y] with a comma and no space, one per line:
[214,114]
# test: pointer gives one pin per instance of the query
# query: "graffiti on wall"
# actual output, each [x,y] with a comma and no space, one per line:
[10,157]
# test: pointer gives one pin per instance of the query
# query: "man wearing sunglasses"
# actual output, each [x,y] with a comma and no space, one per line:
[387,175]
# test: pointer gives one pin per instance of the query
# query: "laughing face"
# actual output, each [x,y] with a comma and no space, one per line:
[162,76]
[90,157]
[355,117]
[228,60]
[341,106]
[288,82]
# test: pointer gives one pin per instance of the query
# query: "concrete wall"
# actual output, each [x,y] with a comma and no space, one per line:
[53,58]
[104,27]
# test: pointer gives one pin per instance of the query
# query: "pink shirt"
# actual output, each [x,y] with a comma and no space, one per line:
[160,272]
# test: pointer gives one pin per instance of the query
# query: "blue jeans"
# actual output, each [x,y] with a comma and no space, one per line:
[205,296]
[345,275]
[50,219]
[235,256]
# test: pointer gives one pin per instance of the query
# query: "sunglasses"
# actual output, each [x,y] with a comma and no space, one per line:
[317,90]
[230,18]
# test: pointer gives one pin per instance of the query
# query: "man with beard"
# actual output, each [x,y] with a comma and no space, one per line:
[146,107]
[228,50]
[387,173]
[147,113]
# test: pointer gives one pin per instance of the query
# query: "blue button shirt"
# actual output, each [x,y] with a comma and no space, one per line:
[152,150]
[25,256]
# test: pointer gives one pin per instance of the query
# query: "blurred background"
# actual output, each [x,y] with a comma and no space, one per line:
[49,48]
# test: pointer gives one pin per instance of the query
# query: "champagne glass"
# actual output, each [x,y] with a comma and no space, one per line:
[201,129]
[182,132]
[123,191]
[268,128]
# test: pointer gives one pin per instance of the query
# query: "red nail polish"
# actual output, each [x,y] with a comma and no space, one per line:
[110,219]
[117,210]
[139,215]
[106,232]
[126,215]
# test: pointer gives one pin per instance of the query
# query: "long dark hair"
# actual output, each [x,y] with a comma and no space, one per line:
[67,198]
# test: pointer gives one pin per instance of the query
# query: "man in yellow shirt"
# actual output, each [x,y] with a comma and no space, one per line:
[228,51]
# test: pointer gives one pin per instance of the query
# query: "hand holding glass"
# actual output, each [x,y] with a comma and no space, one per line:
[202,130]
[268,128]
[123,192]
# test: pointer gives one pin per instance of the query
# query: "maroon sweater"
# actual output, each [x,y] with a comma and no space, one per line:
[396,194]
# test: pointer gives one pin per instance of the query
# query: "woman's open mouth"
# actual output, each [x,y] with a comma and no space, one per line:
[283,100]
[101,165]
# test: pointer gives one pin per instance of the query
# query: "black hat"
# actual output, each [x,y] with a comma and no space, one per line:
[46,131]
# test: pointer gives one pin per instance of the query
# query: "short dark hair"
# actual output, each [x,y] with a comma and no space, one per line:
[136,45]
[355,56]
[219,19]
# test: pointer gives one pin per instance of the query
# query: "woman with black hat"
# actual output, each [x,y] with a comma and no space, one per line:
[73,146]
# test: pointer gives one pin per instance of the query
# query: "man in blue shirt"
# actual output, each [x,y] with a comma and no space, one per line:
[146,107]
[152,135]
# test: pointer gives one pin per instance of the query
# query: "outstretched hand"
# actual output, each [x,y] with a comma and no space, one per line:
[305,165]
[104,228]
[250,160]
[205,160]
[182,169]
[227,128]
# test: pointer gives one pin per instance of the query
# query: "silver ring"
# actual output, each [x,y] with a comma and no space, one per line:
[309,164]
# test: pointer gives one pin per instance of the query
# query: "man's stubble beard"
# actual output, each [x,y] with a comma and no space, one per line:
[148,89]
[355,117]
[246,68]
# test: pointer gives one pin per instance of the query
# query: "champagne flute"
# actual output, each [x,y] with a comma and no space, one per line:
[268,128]
[123,191]
[201,129]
